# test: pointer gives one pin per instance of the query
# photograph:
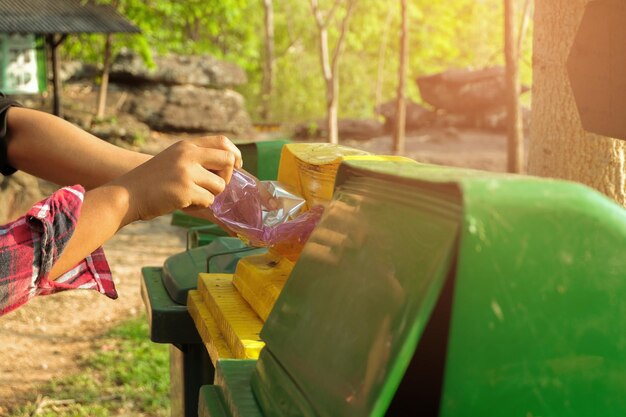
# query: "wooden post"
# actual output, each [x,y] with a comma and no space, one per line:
[54,43]
[56,82]
[104,84]
[514,120]
[330,65]
[399,134]
[268,62]
[382,50]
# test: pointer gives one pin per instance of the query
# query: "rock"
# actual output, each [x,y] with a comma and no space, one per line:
[18,192]
[359,129]
[190,108]
[468,98]
[79,118]
[461,91]
[122,130]
[307,130]
[76,70]
[417,116]
[489,119]
[198,70]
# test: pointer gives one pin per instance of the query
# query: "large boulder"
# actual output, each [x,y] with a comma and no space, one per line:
[198,70]
[77,71]
[359,129]
[123,130]
[467,98]
[190,108]
[417,116]
[463,90]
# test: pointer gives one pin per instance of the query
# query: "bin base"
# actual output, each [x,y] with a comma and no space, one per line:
[190,368]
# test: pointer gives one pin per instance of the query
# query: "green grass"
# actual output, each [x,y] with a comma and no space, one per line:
[125,374]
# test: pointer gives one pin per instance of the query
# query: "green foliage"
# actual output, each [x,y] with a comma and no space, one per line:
[443,35]
[125,374]
[225,28]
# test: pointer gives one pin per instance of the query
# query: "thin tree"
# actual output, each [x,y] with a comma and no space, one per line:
[515,133]
[330,61]
[268,61]
[106,66]
[382,51]
[523,27]
[104,81]
[399,134]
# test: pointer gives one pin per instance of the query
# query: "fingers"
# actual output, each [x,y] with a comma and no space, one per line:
[220,142]
[209,181]
[200,197]
[218,161]
[188,173]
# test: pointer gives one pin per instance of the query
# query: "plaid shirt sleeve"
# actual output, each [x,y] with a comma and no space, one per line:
[31,245]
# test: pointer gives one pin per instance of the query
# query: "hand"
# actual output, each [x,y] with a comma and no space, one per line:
[188,174]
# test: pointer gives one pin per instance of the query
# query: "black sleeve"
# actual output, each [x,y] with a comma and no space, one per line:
[5,103]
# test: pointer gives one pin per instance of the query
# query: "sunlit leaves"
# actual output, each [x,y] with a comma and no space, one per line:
[443,34]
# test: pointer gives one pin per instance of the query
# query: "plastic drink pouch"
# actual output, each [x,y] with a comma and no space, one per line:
[266,213]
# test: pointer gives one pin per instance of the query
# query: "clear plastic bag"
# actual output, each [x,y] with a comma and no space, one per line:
[265,213]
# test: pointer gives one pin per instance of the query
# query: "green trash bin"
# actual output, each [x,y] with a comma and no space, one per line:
[435,291]
[164,289]
[164,292]
[204,235]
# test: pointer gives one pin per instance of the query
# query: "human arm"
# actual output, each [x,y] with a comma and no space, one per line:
[55,247]
[187,175]
[53,149]
[124,186]
[31,244]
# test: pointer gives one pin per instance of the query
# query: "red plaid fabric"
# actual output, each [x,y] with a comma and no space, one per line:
[31,245]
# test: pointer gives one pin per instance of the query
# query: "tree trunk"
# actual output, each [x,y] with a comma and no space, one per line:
[523,28]
[333,110]
[515,135]
[331,100]
[382,51]
[330,65]
[56,78]
[268,63]
[104,84]
[399,136]
[559,146]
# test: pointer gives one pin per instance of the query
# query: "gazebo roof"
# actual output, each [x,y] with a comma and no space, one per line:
[60,16]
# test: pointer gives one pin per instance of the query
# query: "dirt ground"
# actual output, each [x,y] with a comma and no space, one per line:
[42,340]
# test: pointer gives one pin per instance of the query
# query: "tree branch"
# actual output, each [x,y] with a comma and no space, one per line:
[315,8]
[342,34]
[523,27]
[284,51]
[331,13]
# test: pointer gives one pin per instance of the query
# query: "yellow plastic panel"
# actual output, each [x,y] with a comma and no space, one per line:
[260,279]
[236,320]
[310,168]
[207,327]
[393,158]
